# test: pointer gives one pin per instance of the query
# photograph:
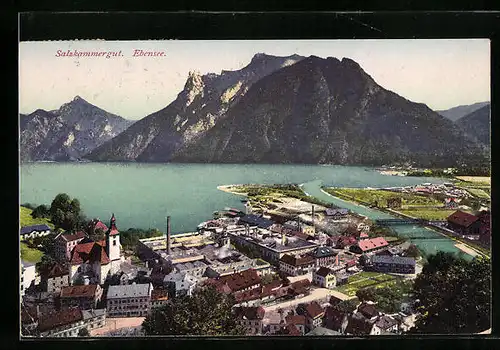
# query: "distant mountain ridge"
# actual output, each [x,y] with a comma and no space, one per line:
[202,103]
[329,111]
[68,133]
[477,125]
[458,112]
[291,109]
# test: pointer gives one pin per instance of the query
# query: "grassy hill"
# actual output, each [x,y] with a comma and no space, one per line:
[30,254]
[25,219]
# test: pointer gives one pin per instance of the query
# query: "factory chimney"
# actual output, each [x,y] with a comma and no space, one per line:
[283,239]
[312,214]
[168,235]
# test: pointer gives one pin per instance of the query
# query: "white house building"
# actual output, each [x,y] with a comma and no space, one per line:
[325,278]
[132,300]
[34,231]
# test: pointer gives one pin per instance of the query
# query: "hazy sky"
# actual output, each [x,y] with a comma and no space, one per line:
[440,73]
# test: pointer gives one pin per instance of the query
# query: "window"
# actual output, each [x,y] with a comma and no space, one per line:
[114,242]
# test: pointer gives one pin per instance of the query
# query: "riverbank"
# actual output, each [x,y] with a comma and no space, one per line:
[230,189]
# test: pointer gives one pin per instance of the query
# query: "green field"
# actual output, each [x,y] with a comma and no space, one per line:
[428,214]
[30,254]
[25,219]
[479,193]
[381,196]
[364,280]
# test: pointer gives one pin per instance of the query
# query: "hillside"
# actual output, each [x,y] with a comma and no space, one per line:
[477,125]
[25,218]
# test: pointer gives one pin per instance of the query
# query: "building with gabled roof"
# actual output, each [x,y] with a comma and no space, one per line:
[64,244]
[463,223]
[97,260]
[251,318]
[314,315]
[54,278]
[324,256]
[297,265]
[68,322]
[393,264]
[83,296]
[369,245]
[324,277]
[34,231]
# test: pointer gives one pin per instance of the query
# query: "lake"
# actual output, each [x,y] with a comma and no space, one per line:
[142,195]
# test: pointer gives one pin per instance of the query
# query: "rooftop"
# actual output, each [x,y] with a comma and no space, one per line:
[323,331]
[462,218]
[80,291]
[387,259]
[373,243]
[58,319]
[250,313]
[28,229]
[128,291]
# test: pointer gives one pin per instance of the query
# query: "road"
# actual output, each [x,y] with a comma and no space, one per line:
[320,294]
[117,323]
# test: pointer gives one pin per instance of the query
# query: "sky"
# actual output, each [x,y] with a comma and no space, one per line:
[441,73]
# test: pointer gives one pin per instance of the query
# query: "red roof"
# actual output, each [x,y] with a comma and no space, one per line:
[241,280]
[323,271]
[101,225]
[60,318]
[82,291]
[91,251]
[314,310]
[463,219]
[295,319]
[57,271]
[297,261]
[344,241]
[291,329]
[374,243]
[68,237]
[250,312]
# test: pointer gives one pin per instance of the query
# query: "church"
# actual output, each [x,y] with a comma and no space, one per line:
[95,260]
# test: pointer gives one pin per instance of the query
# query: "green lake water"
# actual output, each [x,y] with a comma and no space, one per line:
[141,195]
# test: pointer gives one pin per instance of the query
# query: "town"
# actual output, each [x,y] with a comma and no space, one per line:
[290,267]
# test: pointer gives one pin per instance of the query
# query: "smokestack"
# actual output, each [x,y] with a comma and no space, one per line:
[314,227]
[168,235]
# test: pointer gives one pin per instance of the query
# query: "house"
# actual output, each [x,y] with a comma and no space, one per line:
[299,288]
[296,265]
[97,260]
[393,264]
[33,231]
[255,220]
[345,242]
[335,320]
[133,300]
[28,276]
[358,325]
[54,278]
[64,244]
[337,214]
[324,256]
[298,321]
[394,202]
[297,226]
[369,245]
[314,315]
[450,203]
[387,324]
[464,223]
[250,317]
[325,278]
[368,310]
[159,298]
[68,322]
[83,296]
[180,283]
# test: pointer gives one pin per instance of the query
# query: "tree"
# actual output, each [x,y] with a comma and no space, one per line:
[366,294]
[65,212]
[83,332]
[207,312]
[42,211]
[97,234]
[45,263]
[453,295]
[412,251]
[346,306]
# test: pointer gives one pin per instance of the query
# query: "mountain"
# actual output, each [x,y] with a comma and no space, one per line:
[329,111]
[202,103]
[477,125]
[68,133]
[458,112]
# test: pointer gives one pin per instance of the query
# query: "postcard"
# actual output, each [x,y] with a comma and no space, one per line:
[254,187]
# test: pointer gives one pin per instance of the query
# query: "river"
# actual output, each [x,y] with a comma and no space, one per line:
[141,195]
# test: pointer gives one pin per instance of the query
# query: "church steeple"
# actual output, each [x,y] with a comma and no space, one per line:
[113,240]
